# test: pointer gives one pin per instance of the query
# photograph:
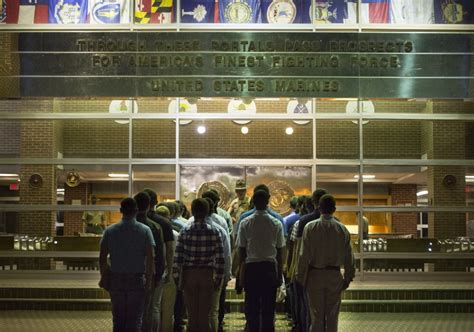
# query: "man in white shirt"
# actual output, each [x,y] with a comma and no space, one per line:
[260,241]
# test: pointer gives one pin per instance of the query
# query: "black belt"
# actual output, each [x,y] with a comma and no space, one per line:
[327,267]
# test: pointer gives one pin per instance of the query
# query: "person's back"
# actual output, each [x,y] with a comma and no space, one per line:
[262,236]
[130,246]
[126,241]
[329,241]
[325,249]
[260,241]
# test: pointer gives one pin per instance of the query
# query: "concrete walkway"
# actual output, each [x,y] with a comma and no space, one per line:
[42,321]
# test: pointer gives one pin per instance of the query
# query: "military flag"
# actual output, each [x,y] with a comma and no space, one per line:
[110,11]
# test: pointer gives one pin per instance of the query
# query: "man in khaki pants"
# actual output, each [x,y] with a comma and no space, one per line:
[325,249]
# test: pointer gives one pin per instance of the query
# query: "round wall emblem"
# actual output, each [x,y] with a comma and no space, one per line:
[281,12]
[73,179]
[36,180]
[221,188]
[238,12]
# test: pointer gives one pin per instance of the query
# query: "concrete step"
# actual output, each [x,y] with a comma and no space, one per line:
[350,294]
[237,305]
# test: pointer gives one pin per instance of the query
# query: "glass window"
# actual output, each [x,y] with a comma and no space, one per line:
[410,186]
[160,178]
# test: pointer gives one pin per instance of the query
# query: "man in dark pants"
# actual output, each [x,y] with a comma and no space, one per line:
[130,246]
[260,243]
[152,314]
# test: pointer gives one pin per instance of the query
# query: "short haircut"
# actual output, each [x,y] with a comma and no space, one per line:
[143,201]
[181,206]
[128,206]
[212,195]
[163,211]
[293,202]
[327,204]
[153,196]
[200,208]
[317,194]
[171,207]
[262,187]
[260,198]
[211,203]
[216,192]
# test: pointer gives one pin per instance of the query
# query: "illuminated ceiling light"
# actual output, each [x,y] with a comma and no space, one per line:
[289,131]
[469,178]
[7,175]
[365,176]
[201,129]
[422,193]
[244,130]
[118,175]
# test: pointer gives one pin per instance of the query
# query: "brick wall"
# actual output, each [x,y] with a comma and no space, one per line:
[404,222]
[73,220]
[447,142]
[9,65]
[266,139]
[37,141]
[9,138]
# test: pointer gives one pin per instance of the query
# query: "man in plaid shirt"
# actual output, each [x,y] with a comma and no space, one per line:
[199,266]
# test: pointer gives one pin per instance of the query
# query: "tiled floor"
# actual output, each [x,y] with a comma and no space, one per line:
[42,321]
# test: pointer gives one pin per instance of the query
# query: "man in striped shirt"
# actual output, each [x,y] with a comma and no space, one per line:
[199,266]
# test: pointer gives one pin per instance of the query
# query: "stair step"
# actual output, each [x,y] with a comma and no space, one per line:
[237,305]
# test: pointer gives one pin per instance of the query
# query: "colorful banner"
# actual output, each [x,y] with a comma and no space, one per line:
[68,11]
[334,11]
[412,12]
[240,11]
[197,11]
[154,11]
[110,11]
[375,11]
[454,11]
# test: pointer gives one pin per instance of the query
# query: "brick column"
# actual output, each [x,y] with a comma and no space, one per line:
[404,222]
[73,220]
[9,65]
[37,140]
[447,141]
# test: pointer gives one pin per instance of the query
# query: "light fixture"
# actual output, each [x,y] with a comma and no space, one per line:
[469,178]
[201,129]
[422,193]
[244,130]
[118,175]
[365,176]
[289,131]
[7,175]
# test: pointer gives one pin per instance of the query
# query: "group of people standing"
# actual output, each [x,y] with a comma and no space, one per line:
[163,261]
